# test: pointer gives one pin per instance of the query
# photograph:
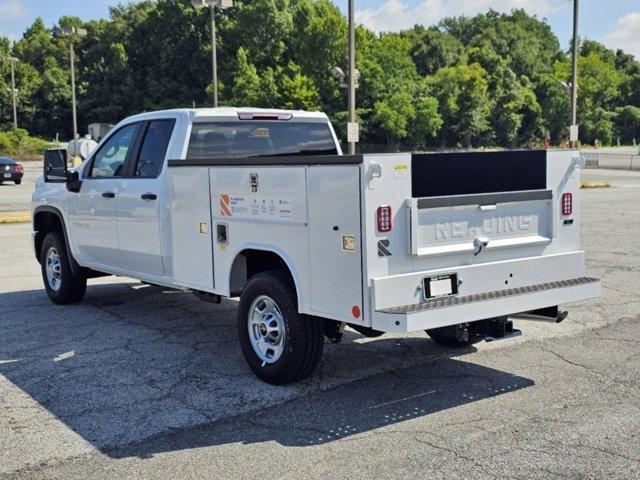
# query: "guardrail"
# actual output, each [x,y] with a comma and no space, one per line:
[615,161]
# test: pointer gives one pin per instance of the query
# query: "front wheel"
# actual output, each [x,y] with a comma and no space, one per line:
[280,345]
[63,287]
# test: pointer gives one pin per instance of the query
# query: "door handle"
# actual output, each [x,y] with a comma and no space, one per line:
[109,195]
[148,196]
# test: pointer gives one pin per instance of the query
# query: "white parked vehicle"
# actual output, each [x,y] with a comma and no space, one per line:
[263,205]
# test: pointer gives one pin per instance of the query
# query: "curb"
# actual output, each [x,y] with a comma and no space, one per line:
[15,217]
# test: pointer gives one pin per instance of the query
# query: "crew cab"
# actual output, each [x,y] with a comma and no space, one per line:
[262,204]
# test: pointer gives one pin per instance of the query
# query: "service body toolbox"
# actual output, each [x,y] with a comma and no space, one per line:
[390,242]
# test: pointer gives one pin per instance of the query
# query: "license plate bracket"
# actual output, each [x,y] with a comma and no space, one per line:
[440,286]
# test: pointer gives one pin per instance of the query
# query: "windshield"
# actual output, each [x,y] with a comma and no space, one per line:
[259,139]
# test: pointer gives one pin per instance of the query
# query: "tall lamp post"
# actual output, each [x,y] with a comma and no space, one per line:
[573,132]
[72,33]
[352,126]
[212,4]
[13,61]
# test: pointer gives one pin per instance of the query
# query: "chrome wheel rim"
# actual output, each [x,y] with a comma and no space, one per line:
[53,269]
[266,329]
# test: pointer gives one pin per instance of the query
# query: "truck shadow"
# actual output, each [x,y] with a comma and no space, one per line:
[136,370]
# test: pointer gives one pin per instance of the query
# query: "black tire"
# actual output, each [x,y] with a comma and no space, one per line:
[303,334]
[18,182]
[446,336]
[71,288]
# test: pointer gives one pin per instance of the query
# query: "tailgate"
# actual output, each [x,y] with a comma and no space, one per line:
[476,223]
[492,224]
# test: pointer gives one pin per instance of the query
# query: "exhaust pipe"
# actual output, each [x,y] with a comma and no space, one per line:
[549,314]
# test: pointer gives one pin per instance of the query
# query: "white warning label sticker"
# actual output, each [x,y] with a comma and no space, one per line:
[255,207]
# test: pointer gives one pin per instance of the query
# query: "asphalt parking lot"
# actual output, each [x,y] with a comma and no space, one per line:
[139,382]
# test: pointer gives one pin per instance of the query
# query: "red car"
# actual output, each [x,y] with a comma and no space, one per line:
[10,170]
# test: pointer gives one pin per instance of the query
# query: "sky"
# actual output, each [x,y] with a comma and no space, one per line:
[616,23]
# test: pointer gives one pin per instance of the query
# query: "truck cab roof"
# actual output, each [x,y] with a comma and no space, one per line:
[233,113]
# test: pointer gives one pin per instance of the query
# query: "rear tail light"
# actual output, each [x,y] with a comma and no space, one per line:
[19,169]
[385,223]
[567,204]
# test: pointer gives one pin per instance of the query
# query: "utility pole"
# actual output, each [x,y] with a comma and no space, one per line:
[352,128]
[574,82]
[13,61]
[212,4]
[214,56]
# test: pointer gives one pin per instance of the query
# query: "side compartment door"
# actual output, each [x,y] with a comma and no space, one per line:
[140,199]
[93,223]
[335,247]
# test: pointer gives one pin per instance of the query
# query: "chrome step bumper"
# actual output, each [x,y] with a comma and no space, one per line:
[452,310]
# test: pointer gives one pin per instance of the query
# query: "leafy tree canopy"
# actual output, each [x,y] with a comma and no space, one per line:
[495,79]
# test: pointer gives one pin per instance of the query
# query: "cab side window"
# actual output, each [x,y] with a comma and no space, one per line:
[154,148]
[109,160]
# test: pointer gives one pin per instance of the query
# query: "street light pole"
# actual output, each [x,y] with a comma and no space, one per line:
[73,92]
[574,82]
[71,33]
[352,76]
[214,55]
[212,4]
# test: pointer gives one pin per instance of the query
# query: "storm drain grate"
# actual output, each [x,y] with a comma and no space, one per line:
[481,297]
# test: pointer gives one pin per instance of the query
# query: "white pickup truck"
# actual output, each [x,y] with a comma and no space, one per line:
[263,205]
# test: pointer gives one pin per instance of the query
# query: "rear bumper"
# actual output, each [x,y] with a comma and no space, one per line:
[452,310]
[12,178]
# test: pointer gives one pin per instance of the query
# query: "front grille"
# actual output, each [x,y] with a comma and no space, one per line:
[451,301]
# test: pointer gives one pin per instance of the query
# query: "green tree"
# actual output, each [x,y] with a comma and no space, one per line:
[627,124]
[464,104]
[433,49]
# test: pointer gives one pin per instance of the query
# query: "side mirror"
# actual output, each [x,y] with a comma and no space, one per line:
[55,165]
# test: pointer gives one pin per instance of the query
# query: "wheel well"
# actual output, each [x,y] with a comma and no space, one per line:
[43,223]
[250,262]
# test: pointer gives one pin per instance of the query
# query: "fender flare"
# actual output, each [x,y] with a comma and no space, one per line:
[75,267]
[295,275]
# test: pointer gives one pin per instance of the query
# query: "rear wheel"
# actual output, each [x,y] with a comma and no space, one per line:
[62,286]
[18,181]
[280,345]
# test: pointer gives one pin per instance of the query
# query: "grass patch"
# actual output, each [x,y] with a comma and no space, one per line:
[595,185]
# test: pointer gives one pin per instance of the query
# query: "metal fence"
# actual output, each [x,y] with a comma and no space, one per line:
[616,161]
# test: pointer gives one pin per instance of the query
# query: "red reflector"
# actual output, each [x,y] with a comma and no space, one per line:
[567,204]
[385,223]
[264,116]
[355,311]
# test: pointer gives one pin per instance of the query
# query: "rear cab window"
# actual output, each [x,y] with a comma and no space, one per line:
[154,148]
[238,139]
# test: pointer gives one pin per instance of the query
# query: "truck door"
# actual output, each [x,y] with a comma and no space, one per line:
[139,200]
[93,222]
